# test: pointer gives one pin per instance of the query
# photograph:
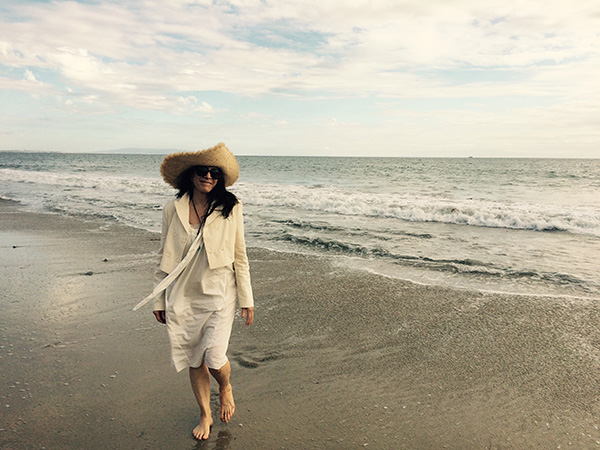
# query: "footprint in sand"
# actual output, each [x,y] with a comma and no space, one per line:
[254,359]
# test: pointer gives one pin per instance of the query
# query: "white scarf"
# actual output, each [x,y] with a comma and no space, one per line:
[166,282]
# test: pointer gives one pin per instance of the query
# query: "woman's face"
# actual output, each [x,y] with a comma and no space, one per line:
[205,178]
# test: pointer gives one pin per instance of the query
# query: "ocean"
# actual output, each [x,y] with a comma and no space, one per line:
[528,226]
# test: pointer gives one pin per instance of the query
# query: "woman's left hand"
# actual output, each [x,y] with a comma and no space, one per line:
[248,313]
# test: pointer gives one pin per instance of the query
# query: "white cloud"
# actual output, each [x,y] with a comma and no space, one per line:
[191,103]
[166,56]
[29,76]
[28,85]
[154,47]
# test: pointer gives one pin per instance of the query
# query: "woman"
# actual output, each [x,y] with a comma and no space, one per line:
[202,270]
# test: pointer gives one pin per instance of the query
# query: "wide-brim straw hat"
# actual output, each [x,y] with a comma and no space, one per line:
[218,156]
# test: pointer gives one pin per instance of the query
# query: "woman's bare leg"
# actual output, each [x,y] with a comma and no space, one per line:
[225,391]
[200,379]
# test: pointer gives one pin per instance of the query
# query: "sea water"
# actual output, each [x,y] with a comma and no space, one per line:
[527,226]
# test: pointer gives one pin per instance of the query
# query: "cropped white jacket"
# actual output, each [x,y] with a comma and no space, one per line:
[223,241]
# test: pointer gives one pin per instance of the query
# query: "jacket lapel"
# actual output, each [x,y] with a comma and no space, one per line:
[213,215]
[182,206]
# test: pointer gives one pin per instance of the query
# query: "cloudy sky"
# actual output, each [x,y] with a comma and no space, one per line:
[307,77]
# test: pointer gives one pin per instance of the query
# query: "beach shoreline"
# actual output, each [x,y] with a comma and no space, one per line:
[338,358]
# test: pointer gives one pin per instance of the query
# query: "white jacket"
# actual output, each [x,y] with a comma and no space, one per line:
[223,241]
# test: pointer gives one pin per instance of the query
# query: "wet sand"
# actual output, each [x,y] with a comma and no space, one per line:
[337,359]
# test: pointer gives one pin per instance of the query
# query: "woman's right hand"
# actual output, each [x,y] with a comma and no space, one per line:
[160,316]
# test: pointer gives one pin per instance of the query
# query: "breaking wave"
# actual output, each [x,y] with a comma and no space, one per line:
[415,208]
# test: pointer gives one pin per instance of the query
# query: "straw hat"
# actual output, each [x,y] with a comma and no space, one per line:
[218,156]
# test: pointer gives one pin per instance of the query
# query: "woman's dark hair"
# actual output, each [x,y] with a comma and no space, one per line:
[219,196]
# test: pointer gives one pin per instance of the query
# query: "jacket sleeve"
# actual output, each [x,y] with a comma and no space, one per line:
[241,266]
[159,275]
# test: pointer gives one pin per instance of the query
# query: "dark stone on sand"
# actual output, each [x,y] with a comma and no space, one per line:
[89,273]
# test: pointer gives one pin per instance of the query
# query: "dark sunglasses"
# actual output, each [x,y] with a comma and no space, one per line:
[202,171]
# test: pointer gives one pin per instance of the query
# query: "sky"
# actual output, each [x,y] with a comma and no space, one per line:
[405,78]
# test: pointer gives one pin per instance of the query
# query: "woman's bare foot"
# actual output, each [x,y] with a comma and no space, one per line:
[227,404]
[202,431]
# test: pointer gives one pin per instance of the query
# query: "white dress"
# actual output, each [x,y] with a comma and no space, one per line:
[200,308]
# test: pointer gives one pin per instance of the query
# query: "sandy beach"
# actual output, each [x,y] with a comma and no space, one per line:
[337,359]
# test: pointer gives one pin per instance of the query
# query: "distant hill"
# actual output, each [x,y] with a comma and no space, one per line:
[141,151]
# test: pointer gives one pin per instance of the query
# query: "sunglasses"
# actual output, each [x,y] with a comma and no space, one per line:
[202,171]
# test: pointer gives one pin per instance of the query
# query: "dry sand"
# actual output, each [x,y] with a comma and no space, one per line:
[337,359]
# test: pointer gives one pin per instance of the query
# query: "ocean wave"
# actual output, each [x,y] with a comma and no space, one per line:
[309,225]
[426,208]
[141,221]
[464,266]
[366,251]
[354,231]
[334,245]
[411,207]
[377,220]
[101,182]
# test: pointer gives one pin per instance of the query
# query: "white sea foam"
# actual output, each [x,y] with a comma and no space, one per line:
[419,208]
[87,180]
[116,191]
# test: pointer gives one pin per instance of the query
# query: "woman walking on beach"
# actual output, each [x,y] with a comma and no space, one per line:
[202,270]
